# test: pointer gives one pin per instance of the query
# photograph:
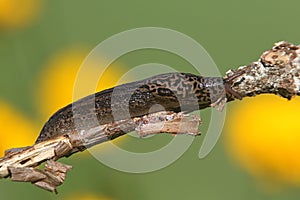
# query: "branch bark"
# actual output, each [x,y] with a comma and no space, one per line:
[277,71]
[20,165]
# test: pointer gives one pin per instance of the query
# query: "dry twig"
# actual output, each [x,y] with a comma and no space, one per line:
[20,165]
[277,71]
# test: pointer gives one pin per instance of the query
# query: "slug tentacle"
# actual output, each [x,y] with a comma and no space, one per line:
[228,85]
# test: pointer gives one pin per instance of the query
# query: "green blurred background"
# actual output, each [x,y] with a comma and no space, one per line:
[234,32]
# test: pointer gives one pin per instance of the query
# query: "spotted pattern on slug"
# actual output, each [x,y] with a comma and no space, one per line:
[173,91]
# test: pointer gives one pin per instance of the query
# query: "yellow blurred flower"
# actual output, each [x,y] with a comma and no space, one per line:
[18,13]
[263,135]
[87,197]
[16,129]
[57,80]
[54,90]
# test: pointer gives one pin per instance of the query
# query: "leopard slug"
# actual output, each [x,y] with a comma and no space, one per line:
[176,92]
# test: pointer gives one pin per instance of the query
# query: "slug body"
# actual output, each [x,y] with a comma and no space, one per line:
[176,92]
